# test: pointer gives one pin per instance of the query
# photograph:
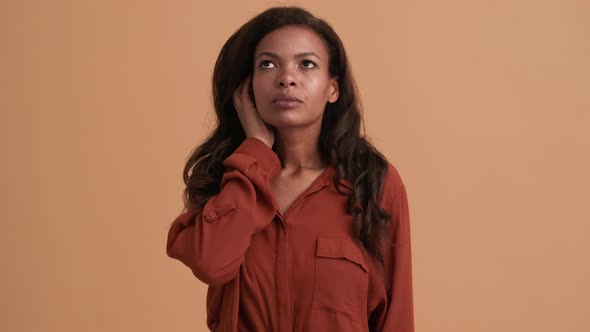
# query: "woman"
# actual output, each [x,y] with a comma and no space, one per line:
[294,220]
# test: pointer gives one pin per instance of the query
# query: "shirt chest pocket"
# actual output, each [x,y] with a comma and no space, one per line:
[341,277]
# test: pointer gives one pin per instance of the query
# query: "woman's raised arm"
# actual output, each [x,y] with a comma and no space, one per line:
[212,242]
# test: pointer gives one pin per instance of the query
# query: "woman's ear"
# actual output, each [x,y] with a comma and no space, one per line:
[334,91]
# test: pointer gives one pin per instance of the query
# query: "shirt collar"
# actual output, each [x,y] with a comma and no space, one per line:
[329,174]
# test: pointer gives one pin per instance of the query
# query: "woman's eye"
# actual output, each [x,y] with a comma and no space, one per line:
[263,62]
[309,62]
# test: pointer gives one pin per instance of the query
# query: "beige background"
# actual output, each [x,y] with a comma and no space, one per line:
[483,106]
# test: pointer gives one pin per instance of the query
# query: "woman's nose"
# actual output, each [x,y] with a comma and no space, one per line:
[285,78]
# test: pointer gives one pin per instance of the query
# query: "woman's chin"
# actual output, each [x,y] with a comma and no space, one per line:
[285,121]
[279,120]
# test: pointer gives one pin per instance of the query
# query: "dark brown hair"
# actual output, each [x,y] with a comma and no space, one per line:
[340,141]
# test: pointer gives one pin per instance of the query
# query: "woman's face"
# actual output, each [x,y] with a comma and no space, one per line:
[292,60]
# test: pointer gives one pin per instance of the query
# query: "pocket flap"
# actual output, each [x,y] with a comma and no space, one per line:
[340,247]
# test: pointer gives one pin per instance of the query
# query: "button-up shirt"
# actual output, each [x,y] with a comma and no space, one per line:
[301,270]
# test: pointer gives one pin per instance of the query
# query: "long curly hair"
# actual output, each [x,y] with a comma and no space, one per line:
[340,140]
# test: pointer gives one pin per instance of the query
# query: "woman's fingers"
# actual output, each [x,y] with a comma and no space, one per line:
[251,121]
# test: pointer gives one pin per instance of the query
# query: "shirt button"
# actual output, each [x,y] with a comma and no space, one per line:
[212,214]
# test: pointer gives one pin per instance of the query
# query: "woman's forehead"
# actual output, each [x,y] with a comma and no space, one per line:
[292,41]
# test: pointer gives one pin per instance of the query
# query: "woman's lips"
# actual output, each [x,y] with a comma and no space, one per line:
[287,103]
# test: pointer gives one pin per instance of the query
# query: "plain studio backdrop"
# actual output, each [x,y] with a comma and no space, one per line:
[483,106]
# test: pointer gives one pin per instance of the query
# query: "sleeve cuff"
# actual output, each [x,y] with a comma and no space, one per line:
[257,149]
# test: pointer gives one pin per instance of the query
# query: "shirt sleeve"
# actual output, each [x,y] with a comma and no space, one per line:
[398,313]
[212,241]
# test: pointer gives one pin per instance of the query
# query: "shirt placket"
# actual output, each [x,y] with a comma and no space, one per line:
[282,278]
[283,265]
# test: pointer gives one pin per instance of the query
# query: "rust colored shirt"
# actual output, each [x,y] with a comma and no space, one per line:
[297,271]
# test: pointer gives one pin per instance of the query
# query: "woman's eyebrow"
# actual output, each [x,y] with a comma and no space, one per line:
[272,55]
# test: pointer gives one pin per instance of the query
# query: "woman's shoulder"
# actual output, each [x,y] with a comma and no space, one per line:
[393,183]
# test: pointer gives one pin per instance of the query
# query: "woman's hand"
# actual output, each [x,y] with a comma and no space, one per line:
[251,121]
